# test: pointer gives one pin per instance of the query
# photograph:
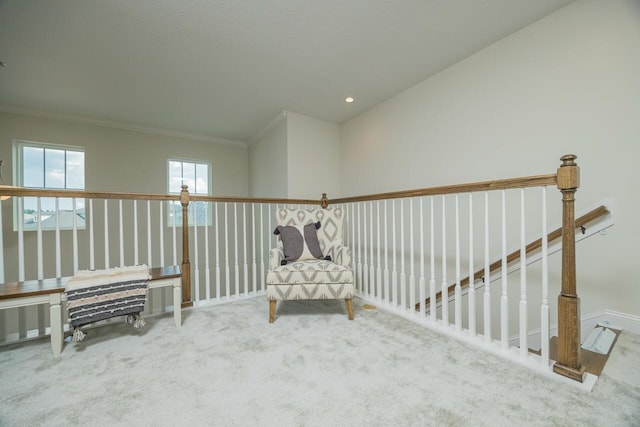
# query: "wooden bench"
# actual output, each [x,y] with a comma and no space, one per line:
[51,291]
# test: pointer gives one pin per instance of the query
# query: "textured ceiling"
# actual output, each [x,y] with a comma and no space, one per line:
[225,69]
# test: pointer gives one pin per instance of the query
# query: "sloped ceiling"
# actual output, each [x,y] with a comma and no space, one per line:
[225,69]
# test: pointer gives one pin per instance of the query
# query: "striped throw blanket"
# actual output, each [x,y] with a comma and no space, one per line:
[102,294]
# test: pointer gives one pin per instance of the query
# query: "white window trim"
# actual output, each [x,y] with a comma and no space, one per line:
[209,187]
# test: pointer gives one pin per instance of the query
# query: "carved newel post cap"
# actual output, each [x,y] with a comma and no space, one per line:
[324,201]
[568,160]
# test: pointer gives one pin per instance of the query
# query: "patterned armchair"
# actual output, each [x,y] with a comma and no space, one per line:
[330,277]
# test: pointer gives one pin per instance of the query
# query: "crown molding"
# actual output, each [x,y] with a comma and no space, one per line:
[279,118]
[118,125]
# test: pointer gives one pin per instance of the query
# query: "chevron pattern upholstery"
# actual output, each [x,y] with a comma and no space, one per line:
[312,279]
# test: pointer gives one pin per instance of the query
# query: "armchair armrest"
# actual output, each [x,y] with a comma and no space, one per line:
[275,256]
[341,254]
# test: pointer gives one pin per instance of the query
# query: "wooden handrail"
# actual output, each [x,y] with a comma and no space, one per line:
[502,184]
[533,246]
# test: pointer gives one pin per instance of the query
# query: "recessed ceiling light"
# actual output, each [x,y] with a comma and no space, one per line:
[349,99]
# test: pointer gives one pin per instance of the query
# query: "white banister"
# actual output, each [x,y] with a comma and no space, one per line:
[245,265]
[207,269]
[544,308]
[444,287]
[458,289]
[226,253]
[20,239]
[354,261]
[423,293]
[379,269]
[433,312]
[504,299]
[403,275]
[39,255]
[58,250]
[75,237]
[217,237]
[262,255]
[472,284]
[487,273]
[386,256]
[372,272]
[394,275]
[236,266]
[149,249]
[120,232]
[2,334]
[412,272]
[92,250]
[365,265]
[161,232]
[196,265]
[524,349]
[172,205]
[106,234]
[253,249]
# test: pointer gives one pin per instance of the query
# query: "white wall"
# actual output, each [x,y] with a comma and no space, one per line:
[313,148]
[268,161]
[569,83]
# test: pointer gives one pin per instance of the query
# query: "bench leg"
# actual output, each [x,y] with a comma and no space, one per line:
[177,305]
[272,311]
[349,308]
[55,308]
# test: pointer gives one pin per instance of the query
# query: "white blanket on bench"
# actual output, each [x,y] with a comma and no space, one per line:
[102,294]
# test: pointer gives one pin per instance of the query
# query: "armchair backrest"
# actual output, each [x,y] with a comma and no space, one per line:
[331,223]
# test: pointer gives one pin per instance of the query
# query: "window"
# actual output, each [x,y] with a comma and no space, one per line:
[197,176]
[51,166]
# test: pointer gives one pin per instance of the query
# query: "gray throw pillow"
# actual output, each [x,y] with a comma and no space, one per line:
[299,243]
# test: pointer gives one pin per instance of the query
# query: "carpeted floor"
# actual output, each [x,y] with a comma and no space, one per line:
[227,366]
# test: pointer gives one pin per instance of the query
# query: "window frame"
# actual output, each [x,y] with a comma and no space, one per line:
[18,146]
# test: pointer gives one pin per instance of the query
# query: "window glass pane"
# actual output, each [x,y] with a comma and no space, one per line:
[175,176]
[202,179]
[54,168]
[189,175]
[33,171]
[75,170]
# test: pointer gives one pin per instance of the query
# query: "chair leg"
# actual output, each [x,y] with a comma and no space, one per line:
[349,308]
[272,311]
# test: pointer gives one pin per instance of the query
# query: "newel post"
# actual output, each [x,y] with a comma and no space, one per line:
[569,361]
[186,265]
[324,201]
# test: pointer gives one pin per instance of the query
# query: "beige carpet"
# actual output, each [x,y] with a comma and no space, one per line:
[227,366]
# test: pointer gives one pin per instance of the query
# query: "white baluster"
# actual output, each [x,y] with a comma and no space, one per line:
[365,265]
[472,282]
[262,256]
[161,233]
[386,256]
[2,280]
[92,250]
[353,245]
[524,348]
[504,299]
[444,287]
[217,237]
[423,291]
[458,289]
[207,270]
[412,271]
[394,274]
[372,274]
[196,269]
[236,266]
[58,251]
[433,301]
[245,265]
[544,308]
[75,237]
[21,240]
[149,253]
[106,235]
[121,232]
[403,275]
[226,253]
[173,230]
[39,242]
[379,269]
[487,273]
[253,248]
[359,275]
